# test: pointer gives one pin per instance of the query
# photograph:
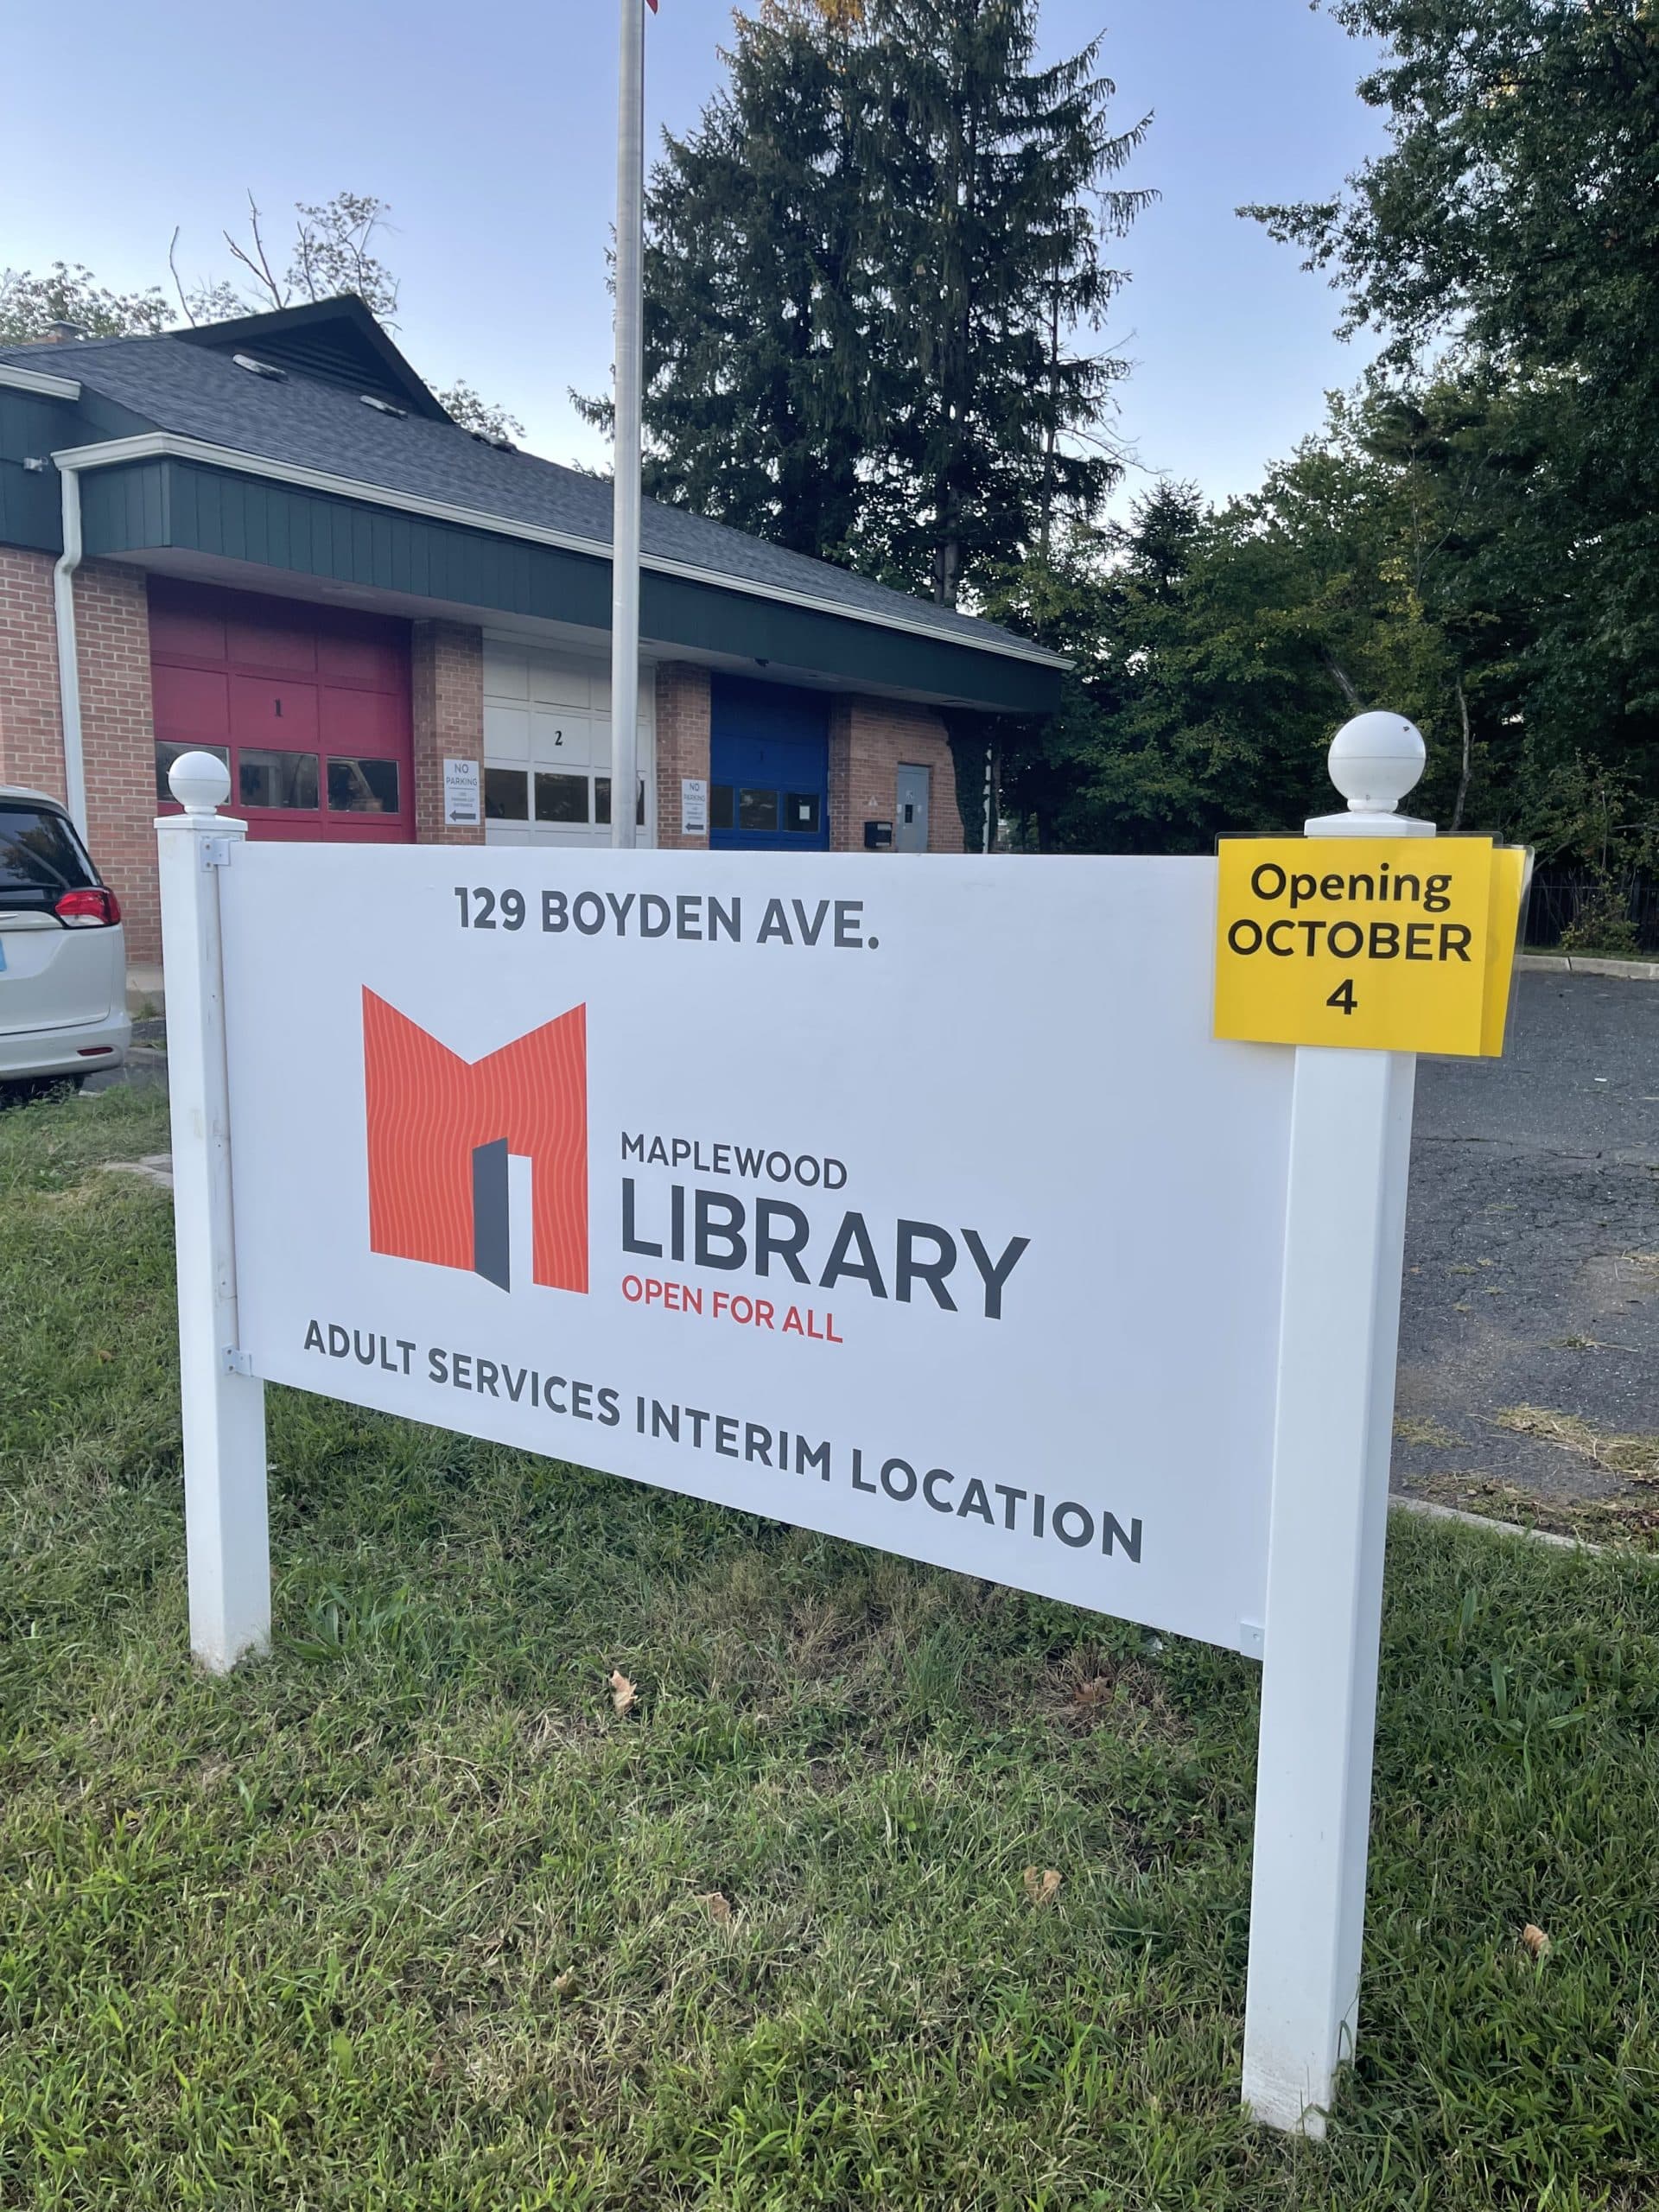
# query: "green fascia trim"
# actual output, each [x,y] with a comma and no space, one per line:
[30,501]
[164,504]
[33,427]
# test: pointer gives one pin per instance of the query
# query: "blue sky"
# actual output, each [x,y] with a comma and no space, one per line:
[489,128]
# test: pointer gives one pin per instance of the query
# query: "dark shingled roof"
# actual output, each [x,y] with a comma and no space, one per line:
[195,389]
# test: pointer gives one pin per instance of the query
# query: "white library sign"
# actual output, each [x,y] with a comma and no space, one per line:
[687,1168]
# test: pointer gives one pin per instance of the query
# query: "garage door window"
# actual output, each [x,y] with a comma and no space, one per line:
[506,795]
[362,787]
[277,780]
[560,797]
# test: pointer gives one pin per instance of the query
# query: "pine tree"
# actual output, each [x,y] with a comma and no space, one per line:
[761,398]
[871,276]
[990,172]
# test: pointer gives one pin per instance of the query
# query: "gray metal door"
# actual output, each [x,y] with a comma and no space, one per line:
[910,832]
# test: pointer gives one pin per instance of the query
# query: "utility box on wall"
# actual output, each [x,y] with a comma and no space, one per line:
[878,836]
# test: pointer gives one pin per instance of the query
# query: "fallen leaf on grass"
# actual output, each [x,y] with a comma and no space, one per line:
[564,1983]
[1040,1888]
[1536,1941]
[719,1907]
[623,1693]
[1089,1701]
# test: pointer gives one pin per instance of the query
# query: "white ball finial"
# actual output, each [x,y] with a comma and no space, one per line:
[200,781]
[1375,760]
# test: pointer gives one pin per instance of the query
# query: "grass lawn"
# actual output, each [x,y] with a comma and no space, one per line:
[410,1916]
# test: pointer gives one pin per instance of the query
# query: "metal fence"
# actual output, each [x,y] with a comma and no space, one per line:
[1558,898]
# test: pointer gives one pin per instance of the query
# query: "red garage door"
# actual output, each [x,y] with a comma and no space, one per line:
[308,706]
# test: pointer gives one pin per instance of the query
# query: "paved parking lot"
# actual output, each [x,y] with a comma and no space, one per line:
[1533,1241]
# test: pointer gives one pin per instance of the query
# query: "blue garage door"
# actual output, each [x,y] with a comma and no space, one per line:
[768,768]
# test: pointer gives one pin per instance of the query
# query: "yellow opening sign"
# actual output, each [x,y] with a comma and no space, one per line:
[1399,945]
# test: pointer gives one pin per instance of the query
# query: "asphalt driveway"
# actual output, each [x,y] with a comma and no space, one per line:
[1532,1250]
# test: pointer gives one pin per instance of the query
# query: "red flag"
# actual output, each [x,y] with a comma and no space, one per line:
[651,4]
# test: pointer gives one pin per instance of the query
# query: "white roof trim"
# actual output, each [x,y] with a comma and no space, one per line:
[36,380]
[151,445]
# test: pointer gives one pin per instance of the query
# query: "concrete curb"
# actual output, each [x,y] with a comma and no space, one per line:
[1426,1509]
[1576,963]
[155,1167]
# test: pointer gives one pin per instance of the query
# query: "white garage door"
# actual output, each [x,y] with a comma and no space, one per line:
[547,747]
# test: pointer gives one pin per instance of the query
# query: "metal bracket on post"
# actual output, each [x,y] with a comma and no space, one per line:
[1345,1239]
[222,1403]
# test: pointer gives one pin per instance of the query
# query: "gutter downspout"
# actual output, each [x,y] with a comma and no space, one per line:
[63,603]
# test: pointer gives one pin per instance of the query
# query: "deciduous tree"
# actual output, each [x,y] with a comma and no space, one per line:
[333,249]
[1510,232]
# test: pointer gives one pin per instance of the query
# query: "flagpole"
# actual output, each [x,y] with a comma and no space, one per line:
[625,534]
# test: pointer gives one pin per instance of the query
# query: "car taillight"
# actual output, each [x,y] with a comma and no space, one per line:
[95,908]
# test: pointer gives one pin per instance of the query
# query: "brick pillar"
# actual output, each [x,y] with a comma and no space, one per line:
[446,694]
[846,834]
[682,720]
[31,730]
[117,731]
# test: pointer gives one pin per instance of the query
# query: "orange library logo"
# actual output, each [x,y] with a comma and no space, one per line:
[441,1130]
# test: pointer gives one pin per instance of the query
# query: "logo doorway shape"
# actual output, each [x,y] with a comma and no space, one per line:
[439,1132]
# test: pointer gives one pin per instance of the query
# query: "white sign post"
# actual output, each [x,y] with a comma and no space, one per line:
[1109,1312]
[1344,1241]
[223,1405]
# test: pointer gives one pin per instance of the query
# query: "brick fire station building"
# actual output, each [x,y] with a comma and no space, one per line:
[267,538]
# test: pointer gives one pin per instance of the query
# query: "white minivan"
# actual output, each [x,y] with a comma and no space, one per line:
[63,953]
